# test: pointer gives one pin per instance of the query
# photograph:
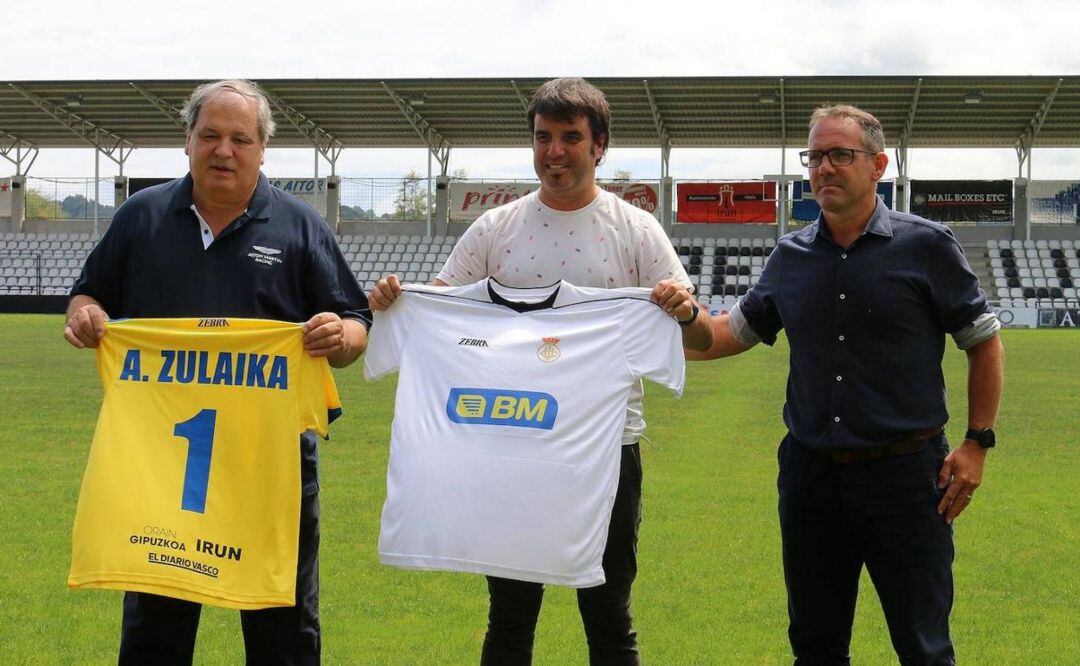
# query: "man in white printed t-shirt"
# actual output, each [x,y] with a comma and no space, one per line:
[570,229]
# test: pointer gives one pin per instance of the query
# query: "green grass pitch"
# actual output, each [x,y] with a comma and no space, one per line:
[710,588]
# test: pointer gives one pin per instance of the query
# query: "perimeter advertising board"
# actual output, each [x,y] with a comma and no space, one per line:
[1059,318]
[727,202]
[805,209]
[962,200]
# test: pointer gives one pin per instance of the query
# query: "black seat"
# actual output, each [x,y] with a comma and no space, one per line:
[1011,273]
[1063,272]
[1042,292]
[1013,282]
[744,270]
[693,270]
[1008,263]
[1006,253]
[730,290]
[1029,292]
[743,289]
[1066,282]
[1060,263]
[697,251]
[1055,292]
[731,270]
[1057,254]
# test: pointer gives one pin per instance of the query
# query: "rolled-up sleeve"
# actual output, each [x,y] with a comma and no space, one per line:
[758,318]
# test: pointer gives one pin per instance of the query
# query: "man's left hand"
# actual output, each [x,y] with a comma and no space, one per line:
[324,334]
[962,473]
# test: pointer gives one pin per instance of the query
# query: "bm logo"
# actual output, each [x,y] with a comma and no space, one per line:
[506,407]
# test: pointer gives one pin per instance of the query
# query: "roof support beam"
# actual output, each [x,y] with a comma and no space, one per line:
[1026,139]
[437,144]
[783,130]
[112,145]
[325,143]
[905,133]
[521,98]
[24,152]
[170,111]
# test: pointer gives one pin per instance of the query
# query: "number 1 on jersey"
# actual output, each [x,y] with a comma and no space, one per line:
[199,432]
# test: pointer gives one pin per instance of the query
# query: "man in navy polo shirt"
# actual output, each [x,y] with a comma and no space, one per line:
[866,296]
[221,242]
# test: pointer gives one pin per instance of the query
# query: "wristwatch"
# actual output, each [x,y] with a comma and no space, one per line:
[984,437]
[694,310]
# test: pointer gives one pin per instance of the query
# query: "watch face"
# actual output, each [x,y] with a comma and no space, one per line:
[987,438]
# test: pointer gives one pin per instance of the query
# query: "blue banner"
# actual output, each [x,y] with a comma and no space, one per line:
[805,209]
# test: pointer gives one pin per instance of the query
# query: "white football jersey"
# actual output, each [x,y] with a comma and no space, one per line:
[504,453]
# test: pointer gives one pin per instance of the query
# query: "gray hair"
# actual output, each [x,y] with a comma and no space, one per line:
[247,89]
[873,138]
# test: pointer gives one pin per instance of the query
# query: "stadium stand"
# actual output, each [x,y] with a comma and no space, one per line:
[1033,274]
[44,264]
[721,269]
[1042,273]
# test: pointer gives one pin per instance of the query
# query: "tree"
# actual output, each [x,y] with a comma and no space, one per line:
[40,207]
[623,174]
[411,202]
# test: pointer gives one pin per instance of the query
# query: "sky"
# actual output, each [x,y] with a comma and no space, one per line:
[80,40]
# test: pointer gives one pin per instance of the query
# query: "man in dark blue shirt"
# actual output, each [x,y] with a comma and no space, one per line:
[866,296]
[221,242]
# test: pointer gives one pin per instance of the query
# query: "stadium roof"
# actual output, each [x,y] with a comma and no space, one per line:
[929,111]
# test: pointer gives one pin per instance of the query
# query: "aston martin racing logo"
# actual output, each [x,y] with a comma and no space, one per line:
[265,255]
[549,351]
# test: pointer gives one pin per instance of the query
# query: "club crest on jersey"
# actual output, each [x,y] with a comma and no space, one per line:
[549,350]
[505,407]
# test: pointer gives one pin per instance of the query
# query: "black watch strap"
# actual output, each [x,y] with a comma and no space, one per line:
[984,437]
[694,310]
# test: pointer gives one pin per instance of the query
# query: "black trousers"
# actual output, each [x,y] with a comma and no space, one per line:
[605,609]
[835,518]
[161,630]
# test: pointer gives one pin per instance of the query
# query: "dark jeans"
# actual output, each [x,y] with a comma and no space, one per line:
[605,609]
[834,518]
[161,630]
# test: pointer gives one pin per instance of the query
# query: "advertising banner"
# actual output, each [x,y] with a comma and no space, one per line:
[962,200]
[1054,201]
[1059,318]
[644,195]
[469,201]
[745,202]
[1018,317]
[136,184]
[805,209]
[5,197]
[303,189]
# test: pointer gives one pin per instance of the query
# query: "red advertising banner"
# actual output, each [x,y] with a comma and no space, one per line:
[643,195]
[746,202]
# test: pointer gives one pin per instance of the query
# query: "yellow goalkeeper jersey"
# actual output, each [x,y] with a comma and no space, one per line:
[192,487]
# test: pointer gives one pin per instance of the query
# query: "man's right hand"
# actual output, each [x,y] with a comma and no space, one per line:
[385,293]
[86,326]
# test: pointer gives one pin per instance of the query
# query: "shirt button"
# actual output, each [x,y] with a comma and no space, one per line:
[205,231]
[842,296]
[836,419]
[839,378]
[841,338]
[844,256]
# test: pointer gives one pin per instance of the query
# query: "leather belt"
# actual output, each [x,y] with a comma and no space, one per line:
[911,443]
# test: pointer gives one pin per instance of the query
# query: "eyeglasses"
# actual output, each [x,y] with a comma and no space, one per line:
[837,156]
